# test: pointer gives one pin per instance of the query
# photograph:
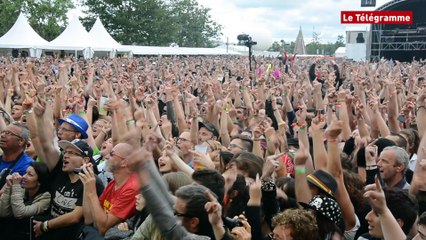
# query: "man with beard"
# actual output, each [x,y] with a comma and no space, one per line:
[117,202]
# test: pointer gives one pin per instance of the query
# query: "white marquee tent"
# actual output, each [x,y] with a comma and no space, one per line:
[151,50]
[73,38]
[22,36]
[102,39]
[340,52]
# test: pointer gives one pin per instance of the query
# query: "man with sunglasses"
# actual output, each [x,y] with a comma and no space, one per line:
[13,141]
[118,200]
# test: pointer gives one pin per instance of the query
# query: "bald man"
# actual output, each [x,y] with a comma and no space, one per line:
[117,202]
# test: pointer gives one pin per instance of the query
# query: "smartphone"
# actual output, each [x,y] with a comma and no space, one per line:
[78,170]
[201,148]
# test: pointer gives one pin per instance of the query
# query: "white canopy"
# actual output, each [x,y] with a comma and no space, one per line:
[151,50]
[101,38]
[74,37]
[21,35]
[340,52]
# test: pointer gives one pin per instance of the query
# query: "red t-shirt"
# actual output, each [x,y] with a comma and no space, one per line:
[120,202]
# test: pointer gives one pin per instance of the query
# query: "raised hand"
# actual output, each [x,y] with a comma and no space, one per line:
[213,209]
[376,197]
[302,155]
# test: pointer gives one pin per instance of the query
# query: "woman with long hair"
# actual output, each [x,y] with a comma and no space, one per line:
[24,197]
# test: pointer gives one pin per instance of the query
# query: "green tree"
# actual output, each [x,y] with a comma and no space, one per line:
[281,45]
[154,22]
[9,11]
[47,17]
[276,47]
[193,24]
[142,22]
[315,44]
[340,42]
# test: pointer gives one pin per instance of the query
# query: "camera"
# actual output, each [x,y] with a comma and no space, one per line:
[246,39]
[232,223]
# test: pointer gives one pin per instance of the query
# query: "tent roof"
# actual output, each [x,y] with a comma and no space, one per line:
[21,35]
[74,37]
[101,37]
[151,50]
[341,50]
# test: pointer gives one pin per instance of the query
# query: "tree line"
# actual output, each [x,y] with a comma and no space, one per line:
[136,22]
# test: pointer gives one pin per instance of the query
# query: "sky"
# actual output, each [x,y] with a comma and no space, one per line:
[273,20]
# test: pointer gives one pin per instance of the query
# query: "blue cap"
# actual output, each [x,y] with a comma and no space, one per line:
[77,122]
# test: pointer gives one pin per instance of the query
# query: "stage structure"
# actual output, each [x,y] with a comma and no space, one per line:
[400,42]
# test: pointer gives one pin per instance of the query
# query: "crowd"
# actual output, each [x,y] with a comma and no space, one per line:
[203,148]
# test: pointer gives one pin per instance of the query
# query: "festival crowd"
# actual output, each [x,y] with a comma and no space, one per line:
[202,148]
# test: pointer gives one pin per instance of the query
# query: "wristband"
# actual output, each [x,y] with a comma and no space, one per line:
[372,167]
[302,127]
[130,122]
[196,117]
[43,227]
[234,120]
[299,169]
[81,113]
[420,107]
[28,112]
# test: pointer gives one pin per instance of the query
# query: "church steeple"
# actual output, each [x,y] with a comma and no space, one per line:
[299,49]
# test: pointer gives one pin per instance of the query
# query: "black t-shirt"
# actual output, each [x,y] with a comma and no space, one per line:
[65,197]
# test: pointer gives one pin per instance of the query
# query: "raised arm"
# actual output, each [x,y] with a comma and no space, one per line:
[334,166]
[390,226]
[45,134]
[303,194]
[320,154]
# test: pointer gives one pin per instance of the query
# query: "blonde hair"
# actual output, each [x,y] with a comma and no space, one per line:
[175,180]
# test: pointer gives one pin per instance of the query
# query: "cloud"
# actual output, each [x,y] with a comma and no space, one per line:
[282,18]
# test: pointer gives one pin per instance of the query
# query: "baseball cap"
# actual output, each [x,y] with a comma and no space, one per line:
[210,127]
[83,148]
[78,144]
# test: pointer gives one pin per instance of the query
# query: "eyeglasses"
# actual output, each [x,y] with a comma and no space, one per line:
[177,214]
[65,129]
[112,154]
[73,153]
[9,133]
